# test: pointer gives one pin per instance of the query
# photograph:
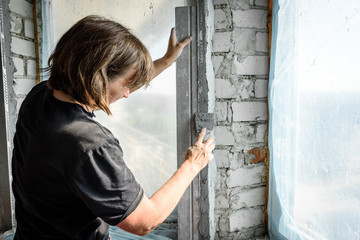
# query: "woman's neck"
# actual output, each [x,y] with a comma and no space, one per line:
[61,96]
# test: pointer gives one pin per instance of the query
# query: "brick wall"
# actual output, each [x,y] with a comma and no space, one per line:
[23,47]
[240,59]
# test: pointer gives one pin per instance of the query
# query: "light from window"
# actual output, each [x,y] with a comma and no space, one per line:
[314,100]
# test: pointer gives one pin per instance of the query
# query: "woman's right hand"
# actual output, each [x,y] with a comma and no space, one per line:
[199,155]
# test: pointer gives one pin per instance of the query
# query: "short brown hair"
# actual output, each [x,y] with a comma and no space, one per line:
[93,52]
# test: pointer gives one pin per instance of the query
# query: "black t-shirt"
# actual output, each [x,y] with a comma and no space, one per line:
[69,177]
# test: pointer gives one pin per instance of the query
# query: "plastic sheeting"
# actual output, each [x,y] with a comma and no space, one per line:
[314,135]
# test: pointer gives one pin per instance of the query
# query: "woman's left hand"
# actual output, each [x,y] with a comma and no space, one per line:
[173,52]
[174,47]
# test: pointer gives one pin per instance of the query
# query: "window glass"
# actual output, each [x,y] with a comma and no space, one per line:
[145,123]
[314,98]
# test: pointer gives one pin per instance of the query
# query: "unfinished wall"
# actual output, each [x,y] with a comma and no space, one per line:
[240,59]
[23,47]
[21,64]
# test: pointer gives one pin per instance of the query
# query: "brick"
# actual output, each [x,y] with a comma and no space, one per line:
[22,8]
[222,158]
[244,41]
[216,2]
[245,176]
[244,134]
[237,160]
[221,180]
[248,198]
[245,89]
[221,111]
[23,86]
[223,135]
[249,111]
[233,88]
[252,18]
[261,88]
[261,3]
[22,47]
[240,4]
[221,202]
[224,89]
[216,61]
[261,42]
[260,132]
[221,42]
[16,25]
[29,28]
[31,68]
[246,218]
[19,66]
[220,19]
[251,65]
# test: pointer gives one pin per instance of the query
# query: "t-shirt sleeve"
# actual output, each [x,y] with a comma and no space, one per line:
[106,185]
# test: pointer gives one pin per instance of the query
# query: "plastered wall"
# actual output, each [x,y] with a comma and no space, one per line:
[240,59]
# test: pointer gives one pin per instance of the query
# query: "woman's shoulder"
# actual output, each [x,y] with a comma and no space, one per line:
[90,134]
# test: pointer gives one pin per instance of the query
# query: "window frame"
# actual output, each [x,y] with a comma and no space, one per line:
[195,110]
[6,203]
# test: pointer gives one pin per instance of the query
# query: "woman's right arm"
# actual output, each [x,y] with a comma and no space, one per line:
[151,212]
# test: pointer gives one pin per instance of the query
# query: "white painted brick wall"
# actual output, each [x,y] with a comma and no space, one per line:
[23,86]
[216,61]
[241,219]
[22,47]
[222,158]
[249,111]
[31,68]
[248,198]
[21,7]
[245,176]
[221,111]
[251,65]
[260,132]
[245,89]
[261,42]
[252,18]
[221,42]
[220,2]
[222,202]
[16,24]
[29,29]
[261,88]
[221,21]
[244,40]
[263,3]
[223,135]
[244,135]
[19,66]
[240,61]
[224,88]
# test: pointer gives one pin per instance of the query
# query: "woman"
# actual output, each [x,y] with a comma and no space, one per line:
[69,178]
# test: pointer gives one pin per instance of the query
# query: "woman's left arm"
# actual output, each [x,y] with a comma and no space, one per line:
[173,52]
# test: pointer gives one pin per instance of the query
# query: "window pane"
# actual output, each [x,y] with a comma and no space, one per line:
[145,124]
[316,178]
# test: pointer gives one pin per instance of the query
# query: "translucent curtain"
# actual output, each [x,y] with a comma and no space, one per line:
[314,135]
